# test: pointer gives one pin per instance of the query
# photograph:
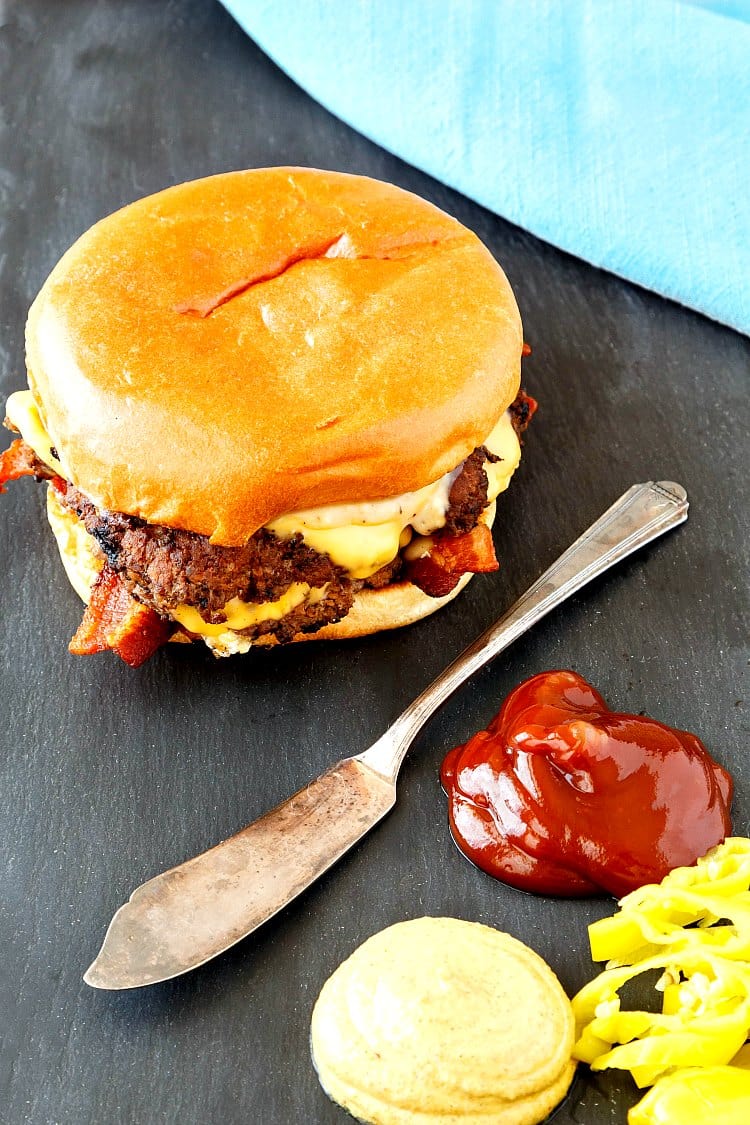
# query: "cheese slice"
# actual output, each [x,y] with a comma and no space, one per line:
[360,549]
[242,615]
[23,413]
[504,443]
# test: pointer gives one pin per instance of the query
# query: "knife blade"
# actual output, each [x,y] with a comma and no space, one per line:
[180,919]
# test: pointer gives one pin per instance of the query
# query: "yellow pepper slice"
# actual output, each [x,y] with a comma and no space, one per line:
[695,928]
[712,1095]
[655,916]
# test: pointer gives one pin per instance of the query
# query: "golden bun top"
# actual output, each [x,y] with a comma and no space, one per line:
[259,342]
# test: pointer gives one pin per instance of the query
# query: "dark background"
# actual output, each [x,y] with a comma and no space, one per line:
[108,775]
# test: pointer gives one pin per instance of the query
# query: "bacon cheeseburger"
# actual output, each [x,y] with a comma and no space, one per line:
[270,404]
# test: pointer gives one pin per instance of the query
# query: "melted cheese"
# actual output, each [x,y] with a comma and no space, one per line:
[362,537]
[359,549]
[23,413]
[504,443]
[242,615]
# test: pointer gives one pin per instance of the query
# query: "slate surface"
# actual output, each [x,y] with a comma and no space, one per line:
[108,776]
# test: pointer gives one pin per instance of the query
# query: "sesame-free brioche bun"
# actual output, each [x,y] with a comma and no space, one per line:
[389,607]
[260,342]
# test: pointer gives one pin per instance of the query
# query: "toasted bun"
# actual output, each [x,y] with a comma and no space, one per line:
[373,610]
[260,342]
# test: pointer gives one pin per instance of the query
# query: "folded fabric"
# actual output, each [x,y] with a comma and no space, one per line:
[619,132]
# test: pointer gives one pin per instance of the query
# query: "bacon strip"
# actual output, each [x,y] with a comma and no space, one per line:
[116,622]
[20,460]
[451,556]
[113,620]
[522,410]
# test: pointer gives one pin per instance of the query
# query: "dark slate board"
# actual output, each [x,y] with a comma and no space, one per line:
[108,776]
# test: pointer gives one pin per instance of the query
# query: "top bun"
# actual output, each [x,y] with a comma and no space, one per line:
[259,342]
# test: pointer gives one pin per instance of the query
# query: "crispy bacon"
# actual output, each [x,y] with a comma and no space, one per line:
[522,410]
[115,622]
[20,460]
[451,556]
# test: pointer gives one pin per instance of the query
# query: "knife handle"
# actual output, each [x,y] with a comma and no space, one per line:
[641,514]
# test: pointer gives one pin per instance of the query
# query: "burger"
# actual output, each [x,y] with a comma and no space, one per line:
[269,405]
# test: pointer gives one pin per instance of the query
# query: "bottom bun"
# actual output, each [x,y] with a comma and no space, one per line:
[78,550]
[373,611]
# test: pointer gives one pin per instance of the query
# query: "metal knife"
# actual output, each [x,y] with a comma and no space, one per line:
[191,913]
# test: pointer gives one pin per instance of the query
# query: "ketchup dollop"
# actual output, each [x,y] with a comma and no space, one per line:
[562,796]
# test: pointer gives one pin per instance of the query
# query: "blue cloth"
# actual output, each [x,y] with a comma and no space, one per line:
[618,130]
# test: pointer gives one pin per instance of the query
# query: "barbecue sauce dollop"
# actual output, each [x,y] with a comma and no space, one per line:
[562,796]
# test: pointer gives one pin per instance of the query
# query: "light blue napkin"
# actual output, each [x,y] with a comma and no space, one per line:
[618,130]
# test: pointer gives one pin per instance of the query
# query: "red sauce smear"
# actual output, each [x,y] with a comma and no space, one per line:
[562,796]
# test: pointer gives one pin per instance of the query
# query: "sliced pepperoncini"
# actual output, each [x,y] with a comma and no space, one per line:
[695,928]
[712,1095]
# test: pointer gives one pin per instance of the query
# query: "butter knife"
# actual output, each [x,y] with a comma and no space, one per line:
[182,918]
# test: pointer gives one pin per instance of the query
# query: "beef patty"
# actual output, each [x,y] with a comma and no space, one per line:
[165,567]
